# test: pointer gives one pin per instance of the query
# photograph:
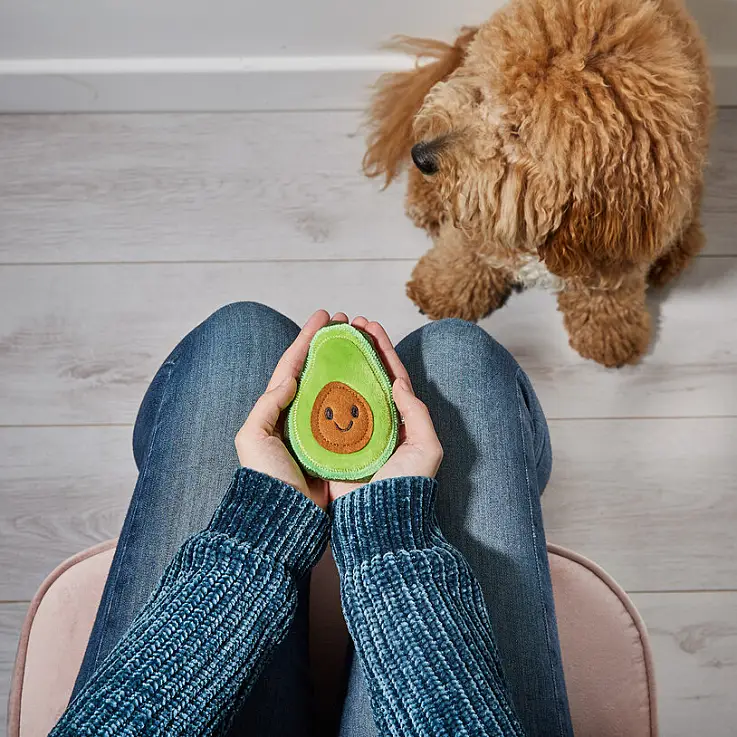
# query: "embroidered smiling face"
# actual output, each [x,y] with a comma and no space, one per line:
[341,420]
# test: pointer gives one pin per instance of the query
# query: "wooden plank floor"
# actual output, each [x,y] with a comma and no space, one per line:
[119,233]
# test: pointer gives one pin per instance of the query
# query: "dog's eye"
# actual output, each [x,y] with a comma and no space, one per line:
[328,413]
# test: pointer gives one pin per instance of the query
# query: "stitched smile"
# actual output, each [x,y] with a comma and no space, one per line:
[344,429]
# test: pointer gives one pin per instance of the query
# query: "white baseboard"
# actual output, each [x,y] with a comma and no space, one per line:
[219,84]
[189,84]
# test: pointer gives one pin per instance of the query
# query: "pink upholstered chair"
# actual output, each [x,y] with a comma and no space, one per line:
[606,654]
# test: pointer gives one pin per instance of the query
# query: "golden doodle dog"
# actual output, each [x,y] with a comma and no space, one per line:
[561,144]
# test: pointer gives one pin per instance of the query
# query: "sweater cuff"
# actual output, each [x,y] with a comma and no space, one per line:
[274,518]
[382,517]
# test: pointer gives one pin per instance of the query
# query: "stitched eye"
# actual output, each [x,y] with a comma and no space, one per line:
[328,413]
[354,411]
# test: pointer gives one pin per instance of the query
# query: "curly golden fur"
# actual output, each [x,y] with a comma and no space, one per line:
[567,140]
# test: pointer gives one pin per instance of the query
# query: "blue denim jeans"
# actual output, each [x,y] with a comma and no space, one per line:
[497,462]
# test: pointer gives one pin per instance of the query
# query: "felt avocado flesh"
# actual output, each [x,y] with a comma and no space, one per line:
[342,423]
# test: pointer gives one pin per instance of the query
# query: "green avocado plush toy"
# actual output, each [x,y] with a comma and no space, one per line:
[342,423]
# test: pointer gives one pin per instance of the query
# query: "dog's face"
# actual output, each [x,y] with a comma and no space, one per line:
[564,129]
[469,152]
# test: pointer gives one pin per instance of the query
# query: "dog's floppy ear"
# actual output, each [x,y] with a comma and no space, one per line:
[601,236]
[399,96]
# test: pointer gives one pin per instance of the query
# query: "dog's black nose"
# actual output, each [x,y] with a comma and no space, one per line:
[424,157]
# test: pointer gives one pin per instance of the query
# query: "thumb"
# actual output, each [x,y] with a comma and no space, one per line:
[270,405]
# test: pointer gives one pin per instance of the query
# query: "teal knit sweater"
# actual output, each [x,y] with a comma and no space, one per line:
[414,610]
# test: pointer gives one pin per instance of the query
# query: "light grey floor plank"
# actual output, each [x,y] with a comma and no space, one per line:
[193,187]
[694,640]
[11,620]
[79,344]
[622,492]
[654,502]
[98,333]
[178,187]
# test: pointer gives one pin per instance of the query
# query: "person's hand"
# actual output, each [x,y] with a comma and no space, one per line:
[418,452]
[259,442]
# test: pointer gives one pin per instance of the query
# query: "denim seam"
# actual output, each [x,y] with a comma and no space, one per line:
[170,364]
[543,598]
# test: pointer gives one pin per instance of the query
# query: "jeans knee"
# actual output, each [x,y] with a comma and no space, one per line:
[470,344]
[237,334]
[236,317]
[240,322]
[467,365]
[226,360]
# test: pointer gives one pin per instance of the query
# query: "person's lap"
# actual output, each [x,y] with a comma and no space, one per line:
[497,460]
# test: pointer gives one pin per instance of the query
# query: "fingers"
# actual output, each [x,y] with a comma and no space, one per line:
[360,322]
[266,411]
[291,363]
[339,317]
[386,350]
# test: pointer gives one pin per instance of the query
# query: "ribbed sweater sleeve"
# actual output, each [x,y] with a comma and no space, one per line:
[417,616]
[223,604]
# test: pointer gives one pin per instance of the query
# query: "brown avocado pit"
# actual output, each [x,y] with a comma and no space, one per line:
[341,419]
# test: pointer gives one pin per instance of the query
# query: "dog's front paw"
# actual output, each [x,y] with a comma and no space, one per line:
[606,331]
[438,306]
[445,290]
[612,348]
